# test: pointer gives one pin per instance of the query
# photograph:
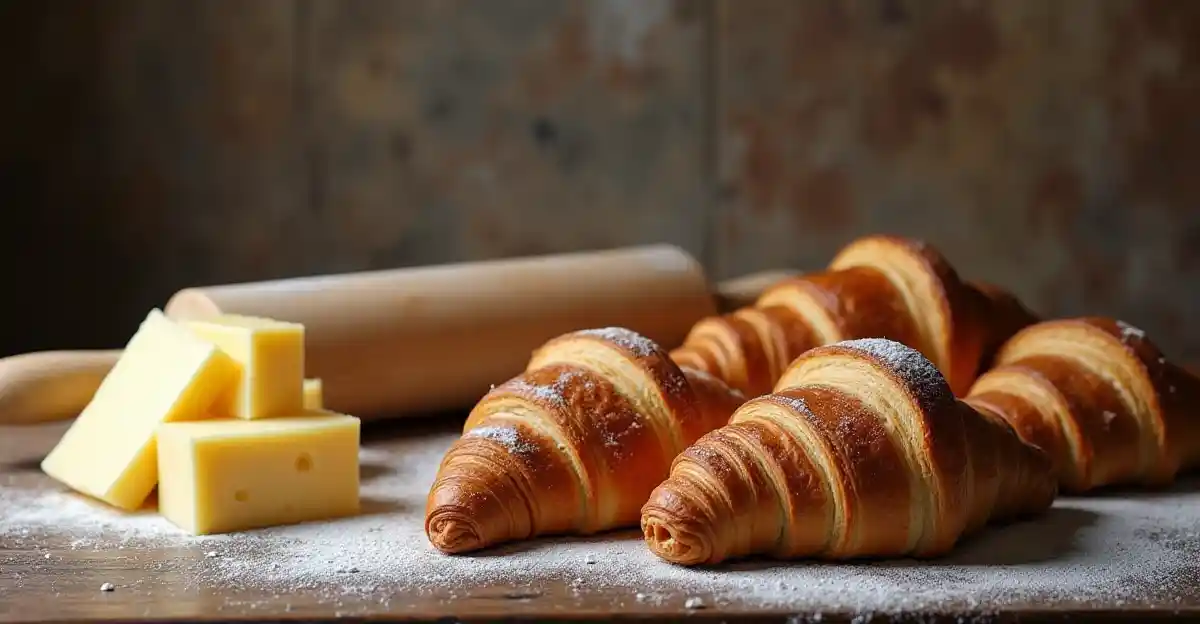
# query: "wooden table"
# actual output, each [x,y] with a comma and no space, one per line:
[44,577]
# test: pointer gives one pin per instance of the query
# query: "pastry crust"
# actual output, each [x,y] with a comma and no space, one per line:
[1100,397]
[574,444]
[876,287]
[862,450]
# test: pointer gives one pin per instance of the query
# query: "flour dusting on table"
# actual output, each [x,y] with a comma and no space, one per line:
[1131,549]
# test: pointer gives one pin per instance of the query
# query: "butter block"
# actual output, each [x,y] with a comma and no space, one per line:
[271,354]
[165,374]
[314,394]
[224,475]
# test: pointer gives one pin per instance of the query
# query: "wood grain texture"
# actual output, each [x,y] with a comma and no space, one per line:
[462,129]
[1041,145]
[170,582]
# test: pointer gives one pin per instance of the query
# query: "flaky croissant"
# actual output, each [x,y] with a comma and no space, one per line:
[1100,398]
[861,451]
[574,444]
[876,287]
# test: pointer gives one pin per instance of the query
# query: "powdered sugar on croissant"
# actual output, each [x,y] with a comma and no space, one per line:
[877,286]
[862,450]
[574,444]
[1100,397]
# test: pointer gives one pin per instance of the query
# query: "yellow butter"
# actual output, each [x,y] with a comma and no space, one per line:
[165,374]
[271,354]
[225,475]
[314,398]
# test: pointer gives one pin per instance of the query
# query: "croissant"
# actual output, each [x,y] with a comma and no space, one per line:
[1100,398]
[877,286]
[861,451]
[575,444]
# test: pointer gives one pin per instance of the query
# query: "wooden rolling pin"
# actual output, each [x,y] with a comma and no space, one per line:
[403,341]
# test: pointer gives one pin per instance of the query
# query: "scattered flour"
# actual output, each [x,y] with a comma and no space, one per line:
[635,343]
[1129,332]
[553,392]
[666,374]
[87,523]
[796,404]
[914,369]
[507,436]
[1132,549]
[571,379]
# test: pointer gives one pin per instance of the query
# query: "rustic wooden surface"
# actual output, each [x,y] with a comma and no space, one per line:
[149,145]
[161,583]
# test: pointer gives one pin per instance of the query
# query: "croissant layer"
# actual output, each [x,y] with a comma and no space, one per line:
[877,286]
[1100,398]
[575,444]
[861,451]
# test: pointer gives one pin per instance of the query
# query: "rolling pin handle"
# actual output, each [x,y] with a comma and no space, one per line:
[56,385]
[51,385]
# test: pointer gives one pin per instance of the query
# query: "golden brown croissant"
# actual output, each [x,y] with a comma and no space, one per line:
[861,451]
[1003,316]
[1100,398]
[574,444]
[876,287]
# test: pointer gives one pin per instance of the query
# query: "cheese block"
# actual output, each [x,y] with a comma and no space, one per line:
[225,475]
[165,374]
[314,398]
[271,354]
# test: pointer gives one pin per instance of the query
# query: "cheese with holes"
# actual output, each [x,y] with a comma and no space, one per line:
[314,398]
[225,475]
[271,354]
[165,374]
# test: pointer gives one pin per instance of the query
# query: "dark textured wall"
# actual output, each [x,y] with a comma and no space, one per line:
[1046,146]
[146,145]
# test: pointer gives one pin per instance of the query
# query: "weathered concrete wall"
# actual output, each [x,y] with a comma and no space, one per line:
[150,145]
[1047,146]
